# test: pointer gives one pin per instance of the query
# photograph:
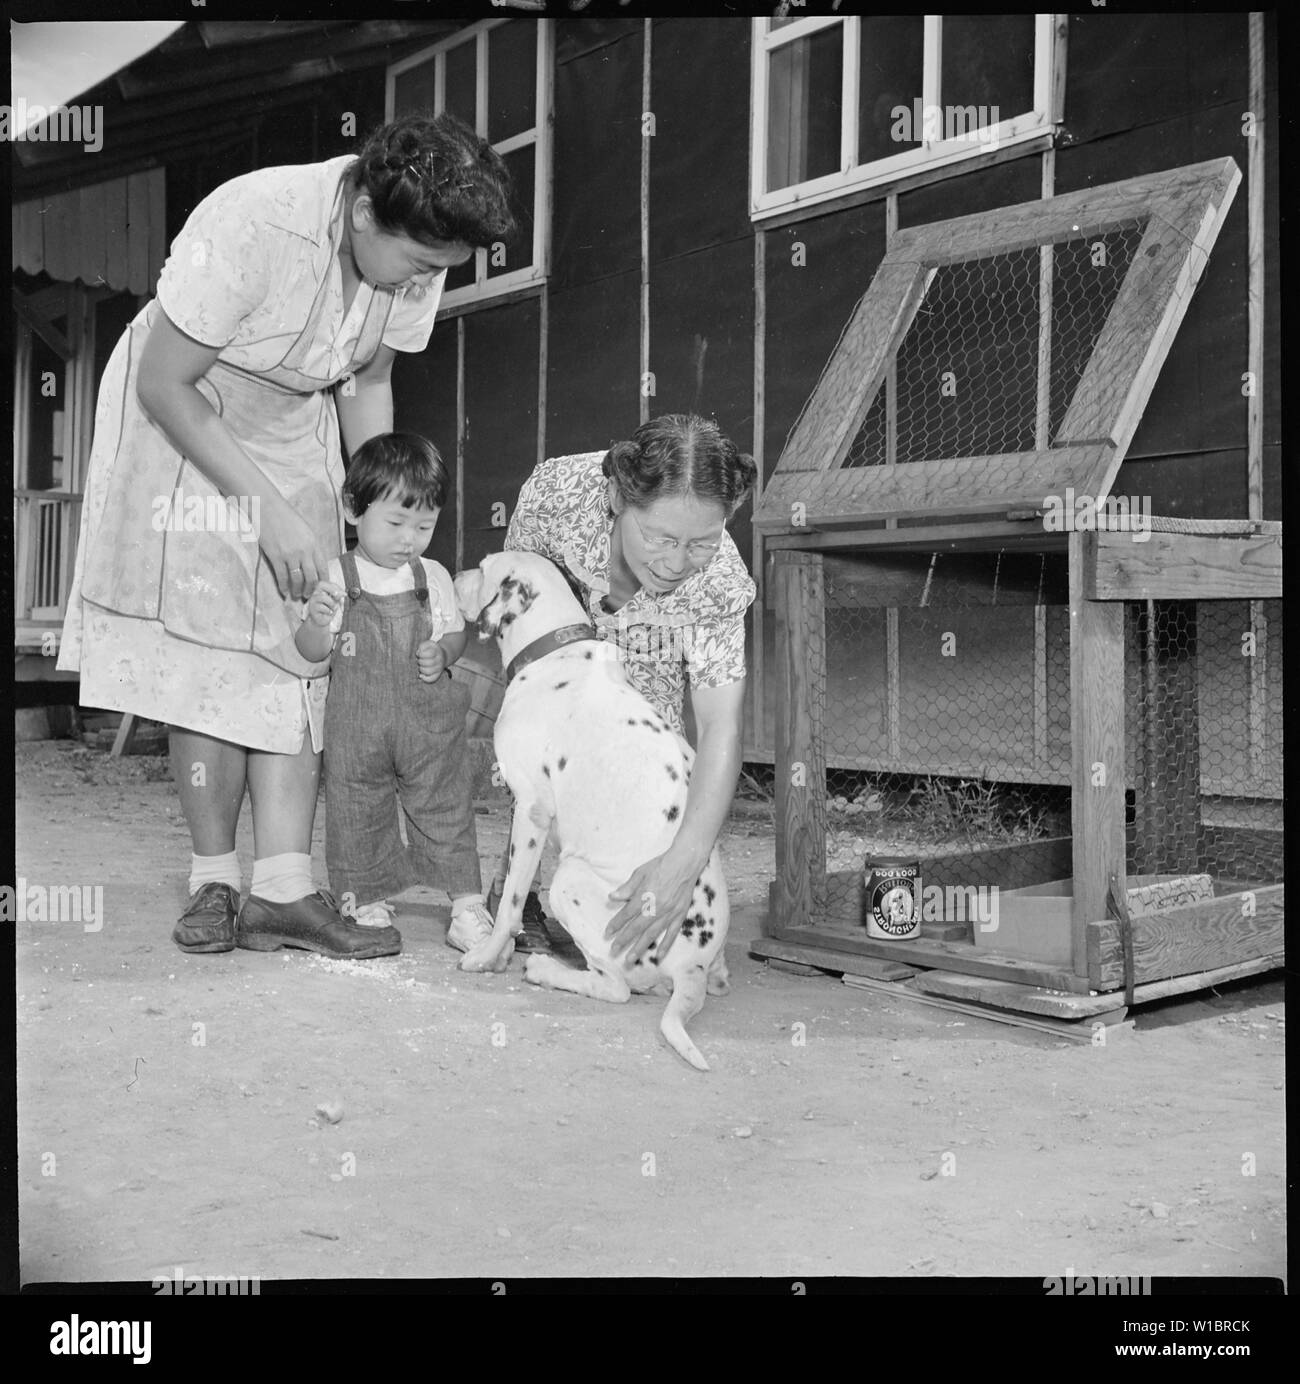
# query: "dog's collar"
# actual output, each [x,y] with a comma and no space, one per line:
[547,644]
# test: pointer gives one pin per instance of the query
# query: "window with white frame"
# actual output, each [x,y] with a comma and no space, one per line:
[842,103]
[495,75]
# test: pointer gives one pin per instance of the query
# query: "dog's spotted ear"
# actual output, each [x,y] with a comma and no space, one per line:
[512,599]
[488,623]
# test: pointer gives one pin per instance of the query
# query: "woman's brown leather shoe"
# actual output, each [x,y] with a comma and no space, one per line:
[315,924]
[208,923]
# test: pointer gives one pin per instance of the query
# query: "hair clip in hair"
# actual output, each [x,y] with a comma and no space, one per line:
[450,181]
[422,170]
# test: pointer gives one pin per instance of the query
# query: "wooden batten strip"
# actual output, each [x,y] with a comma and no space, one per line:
[904,580]
[1069,216]
[1176,566]
[1237,927]
[977,535]
[758,569]
[1142,324]
[960,485]
[937,955]
[825,430]
[461,427]
[643,398]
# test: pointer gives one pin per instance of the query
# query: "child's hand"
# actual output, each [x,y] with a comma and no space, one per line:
[324,602]
[432,660]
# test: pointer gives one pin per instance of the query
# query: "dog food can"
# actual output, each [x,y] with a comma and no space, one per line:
[893,898]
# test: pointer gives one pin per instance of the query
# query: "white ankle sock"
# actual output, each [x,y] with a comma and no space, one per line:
[214,869]
[463,901]
[282,878]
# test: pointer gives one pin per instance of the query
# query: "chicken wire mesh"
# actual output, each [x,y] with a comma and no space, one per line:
[995,352]
[1203,739]
[945,730]
[945,727]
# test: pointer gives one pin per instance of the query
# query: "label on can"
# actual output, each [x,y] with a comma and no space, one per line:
[893,898]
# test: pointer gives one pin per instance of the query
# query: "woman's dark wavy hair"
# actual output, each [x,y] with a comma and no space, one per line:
[432,178]
[681,454]
[397,466]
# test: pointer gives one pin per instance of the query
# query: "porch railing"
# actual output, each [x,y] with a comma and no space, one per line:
[46,523]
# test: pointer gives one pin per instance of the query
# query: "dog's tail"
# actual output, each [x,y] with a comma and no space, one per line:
[686,1002]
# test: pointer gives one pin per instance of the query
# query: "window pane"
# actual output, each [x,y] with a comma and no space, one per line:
[519,248]
[413,89]
[892,56]
[988,63]
[462,276]
[512,79]
[462,87]
[803,110]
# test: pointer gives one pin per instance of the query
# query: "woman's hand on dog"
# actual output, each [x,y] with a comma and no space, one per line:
[658,896]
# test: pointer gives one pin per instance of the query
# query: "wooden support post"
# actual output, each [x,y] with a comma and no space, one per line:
[1257,694]
[757,673]
[1145,849]
[462,429]
[1042,411]
[1040,686]
[893,675]
[891,375]
[543,347]
[1097,750]
[800,765]
[25,555]
[642,395]
[126,729]
[1168,792]
[1255,240]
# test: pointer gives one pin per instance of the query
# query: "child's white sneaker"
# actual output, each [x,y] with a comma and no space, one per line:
[471,924]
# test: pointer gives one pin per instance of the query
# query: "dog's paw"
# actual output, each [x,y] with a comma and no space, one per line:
[539,968]
[487,956]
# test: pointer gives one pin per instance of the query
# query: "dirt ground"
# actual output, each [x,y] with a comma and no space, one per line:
[167,1103]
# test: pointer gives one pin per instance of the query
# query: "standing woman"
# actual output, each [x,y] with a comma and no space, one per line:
[641,531]
[284,284]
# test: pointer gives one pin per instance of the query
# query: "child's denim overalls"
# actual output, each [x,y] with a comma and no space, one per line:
[386,729]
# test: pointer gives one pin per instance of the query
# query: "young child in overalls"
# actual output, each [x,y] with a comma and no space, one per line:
[394,717]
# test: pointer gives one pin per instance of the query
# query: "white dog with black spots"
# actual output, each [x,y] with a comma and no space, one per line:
[589,760]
